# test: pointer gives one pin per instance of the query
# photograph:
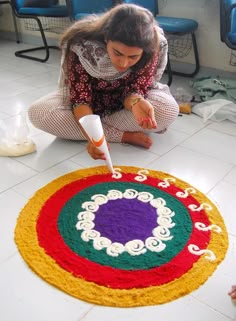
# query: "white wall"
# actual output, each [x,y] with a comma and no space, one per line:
[213,53]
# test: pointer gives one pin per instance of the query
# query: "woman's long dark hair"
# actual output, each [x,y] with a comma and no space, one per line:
[129,24]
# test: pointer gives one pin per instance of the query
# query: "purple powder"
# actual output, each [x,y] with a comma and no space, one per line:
[124,220]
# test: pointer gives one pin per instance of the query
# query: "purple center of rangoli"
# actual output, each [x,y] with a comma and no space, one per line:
[125,220]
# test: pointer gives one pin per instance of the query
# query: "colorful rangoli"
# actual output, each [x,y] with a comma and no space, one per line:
[137,237]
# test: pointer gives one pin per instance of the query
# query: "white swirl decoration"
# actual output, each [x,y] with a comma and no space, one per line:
[87,235]
[141,175]
[117,173]
[208,254]
[115,249]
[85,225]
[100,243]
[203,206]
[90,206]
[130,194]
[99,199]
[135,247]
[153,243]
[145,197]
[166,181]
[86,216]
[158,202]
[186,192]
[165,221]
[162,233]
[213,227]
[114,195]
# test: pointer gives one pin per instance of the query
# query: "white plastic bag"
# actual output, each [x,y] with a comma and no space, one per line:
[216,110]
[14,137]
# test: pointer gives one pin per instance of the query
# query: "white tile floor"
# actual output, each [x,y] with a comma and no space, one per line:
[202,154]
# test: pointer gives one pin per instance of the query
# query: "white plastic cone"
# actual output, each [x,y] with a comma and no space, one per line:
[93,127]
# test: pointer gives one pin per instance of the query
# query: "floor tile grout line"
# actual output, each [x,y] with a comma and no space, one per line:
[8,258]
[210,306]
[222,179]
[86,313]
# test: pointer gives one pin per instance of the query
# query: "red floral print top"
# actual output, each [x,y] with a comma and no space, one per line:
[106,97]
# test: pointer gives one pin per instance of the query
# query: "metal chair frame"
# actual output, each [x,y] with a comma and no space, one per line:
[194,43]
[45,47]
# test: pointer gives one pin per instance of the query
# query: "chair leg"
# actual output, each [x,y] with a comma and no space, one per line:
[196,56]
[46,47]
[15,26]
[169,71]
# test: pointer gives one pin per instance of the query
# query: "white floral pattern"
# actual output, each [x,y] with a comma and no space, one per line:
[153,243]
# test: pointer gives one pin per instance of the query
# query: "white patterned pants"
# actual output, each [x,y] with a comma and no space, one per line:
[55,116]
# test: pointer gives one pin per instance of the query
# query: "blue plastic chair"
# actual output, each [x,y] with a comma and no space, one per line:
[228,23]
[80,9]
[35,13]
[174,26]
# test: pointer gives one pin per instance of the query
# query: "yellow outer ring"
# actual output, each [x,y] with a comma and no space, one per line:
[43,265]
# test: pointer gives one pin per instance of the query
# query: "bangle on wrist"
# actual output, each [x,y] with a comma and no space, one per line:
[135,101]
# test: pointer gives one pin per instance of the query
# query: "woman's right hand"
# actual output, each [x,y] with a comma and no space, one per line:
[94,152]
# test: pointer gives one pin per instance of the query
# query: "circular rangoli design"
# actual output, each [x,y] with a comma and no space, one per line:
[137,237]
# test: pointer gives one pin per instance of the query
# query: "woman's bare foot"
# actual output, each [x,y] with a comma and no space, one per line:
[137,138]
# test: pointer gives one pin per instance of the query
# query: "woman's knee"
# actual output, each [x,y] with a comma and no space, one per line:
[165,111]
[164,102]
[44,109]
[34,113]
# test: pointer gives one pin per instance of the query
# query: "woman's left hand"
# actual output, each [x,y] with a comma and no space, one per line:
[143,112]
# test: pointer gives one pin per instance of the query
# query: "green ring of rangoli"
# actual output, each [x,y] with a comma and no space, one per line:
[72,237]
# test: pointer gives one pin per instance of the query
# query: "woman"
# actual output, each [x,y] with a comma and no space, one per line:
[111,66]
